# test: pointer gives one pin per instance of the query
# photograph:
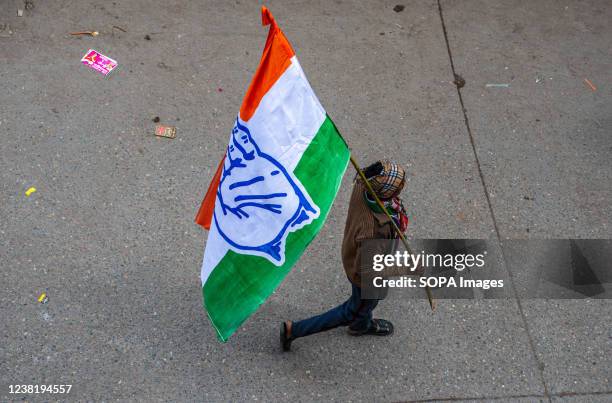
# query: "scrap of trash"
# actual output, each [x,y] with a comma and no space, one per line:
[590,84]
[5,31]
[165,131]
[90,33]
[30,191]
[495,85]
[459,81]
[99,62]
[43,298]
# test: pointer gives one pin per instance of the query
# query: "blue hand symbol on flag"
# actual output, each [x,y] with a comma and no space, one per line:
[259,201]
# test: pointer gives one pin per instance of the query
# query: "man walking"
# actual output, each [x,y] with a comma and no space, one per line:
[365,221]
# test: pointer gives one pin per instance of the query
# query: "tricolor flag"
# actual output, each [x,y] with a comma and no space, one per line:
[272,190]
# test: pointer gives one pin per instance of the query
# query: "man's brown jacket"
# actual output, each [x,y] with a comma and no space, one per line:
[361,224]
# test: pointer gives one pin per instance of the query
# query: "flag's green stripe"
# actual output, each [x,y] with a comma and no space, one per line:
[241,283]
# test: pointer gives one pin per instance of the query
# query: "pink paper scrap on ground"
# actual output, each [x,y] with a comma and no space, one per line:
[98,62]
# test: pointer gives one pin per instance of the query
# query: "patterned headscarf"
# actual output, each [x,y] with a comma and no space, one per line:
[394,207]
[389,181]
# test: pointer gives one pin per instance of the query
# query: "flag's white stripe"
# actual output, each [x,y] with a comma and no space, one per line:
[216,248]
[287,118]
[285,122]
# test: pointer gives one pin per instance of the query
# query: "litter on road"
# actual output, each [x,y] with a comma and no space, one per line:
[30,191]
[165,131]
[99,62]
[459,81]
[5,31]
[497,85]
[19,12]
[590,84]
[91,33]
[43,298]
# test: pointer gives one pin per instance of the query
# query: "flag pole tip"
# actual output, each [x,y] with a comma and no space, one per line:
[266,16]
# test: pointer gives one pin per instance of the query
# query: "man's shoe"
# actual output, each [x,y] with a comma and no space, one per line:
[378,327]
[285,340]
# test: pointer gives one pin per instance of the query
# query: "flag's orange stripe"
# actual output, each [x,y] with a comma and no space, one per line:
[276,58]
[204,216]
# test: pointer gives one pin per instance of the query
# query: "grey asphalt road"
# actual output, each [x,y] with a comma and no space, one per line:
[109,233]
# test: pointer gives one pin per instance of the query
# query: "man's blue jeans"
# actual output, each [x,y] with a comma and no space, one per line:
[355,313]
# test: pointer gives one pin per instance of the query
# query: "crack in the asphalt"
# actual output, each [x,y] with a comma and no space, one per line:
[540,365]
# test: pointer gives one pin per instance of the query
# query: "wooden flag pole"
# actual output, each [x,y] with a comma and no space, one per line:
[432,301]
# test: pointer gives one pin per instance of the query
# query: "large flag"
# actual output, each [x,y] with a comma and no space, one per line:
[272,190]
